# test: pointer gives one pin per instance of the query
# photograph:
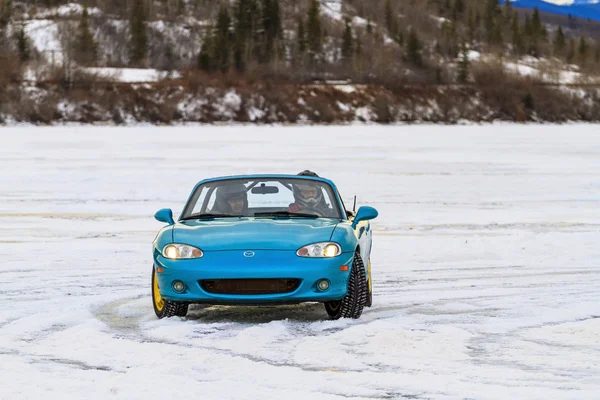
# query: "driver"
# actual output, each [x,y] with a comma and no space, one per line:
[231,199]
[308,197]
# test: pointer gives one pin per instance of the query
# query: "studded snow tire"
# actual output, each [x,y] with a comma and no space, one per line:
[351,306]
[165,308]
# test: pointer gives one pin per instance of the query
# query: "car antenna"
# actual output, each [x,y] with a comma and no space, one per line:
[354,207]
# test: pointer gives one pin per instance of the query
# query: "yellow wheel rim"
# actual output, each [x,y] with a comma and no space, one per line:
[159,303]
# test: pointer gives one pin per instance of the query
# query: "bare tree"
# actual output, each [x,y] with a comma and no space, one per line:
[67,34]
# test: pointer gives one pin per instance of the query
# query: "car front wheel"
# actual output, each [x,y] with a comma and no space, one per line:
[351,306]
[165,308]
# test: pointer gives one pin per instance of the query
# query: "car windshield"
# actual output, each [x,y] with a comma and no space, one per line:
[266,197]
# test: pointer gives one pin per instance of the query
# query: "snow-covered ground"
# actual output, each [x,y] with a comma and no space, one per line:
[131,75]
[486,266]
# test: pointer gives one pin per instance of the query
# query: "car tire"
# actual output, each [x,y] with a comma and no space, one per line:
[351,306]
[165,308]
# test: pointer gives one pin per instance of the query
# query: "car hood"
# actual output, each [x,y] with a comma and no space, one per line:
[253,234]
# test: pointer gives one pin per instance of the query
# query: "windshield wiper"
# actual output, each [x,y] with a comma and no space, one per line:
[284,214]
[201,216]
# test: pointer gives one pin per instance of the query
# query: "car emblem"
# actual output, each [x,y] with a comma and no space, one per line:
[248,254]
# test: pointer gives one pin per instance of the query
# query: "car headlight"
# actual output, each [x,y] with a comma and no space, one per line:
[322,250]
[181,251]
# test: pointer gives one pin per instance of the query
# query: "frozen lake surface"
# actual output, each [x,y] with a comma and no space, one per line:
[486,266]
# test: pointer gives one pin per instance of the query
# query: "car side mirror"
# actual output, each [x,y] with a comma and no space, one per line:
[364,213]
[165,215]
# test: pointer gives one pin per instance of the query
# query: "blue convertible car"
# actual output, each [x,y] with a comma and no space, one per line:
[264,239]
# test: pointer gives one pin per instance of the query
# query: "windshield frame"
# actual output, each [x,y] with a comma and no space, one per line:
[186,214]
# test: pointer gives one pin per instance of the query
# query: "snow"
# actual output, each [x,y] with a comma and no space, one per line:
[131,75]
[440,20]
[332,8]
[43,34]
[485,265]
[343,107]
[473,55]
[364,114]
[255,113]
[67,10]
[359,21]
[230,105]
[346,88]
[559,76]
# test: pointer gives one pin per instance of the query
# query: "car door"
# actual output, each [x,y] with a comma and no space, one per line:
[364,235]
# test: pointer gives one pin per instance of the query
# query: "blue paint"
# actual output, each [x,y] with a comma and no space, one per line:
[364,213]
[165,215]
[227,244]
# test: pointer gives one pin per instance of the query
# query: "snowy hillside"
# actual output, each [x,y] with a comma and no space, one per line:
[398,61]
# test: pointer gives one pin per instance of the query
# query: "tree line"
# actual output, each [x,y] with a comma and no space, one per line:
[381,39]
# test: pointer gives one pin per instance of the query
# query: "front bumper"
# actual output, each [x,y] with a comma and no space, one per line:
[266,264]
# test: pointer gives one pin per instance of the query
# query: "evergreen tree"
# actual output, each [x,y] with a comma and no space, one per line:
[139,34]
[347,42]
[597,55]
[391,20]
[583,50]
[508,10]
[493,25]
[314,31]
[246,28]
[358,48]
[389,17]
[471,25]
[170,59]
[571,51]
[528,28]
[538,29]
[301,39]
[399,38]
[446,8]
[222,40]
[271,30]
[205,61]
[559,42]
[536,22]
[22,44]
[543,33]
[369,27]
[413,48]
[532,27]
[463,65]
[6,10]
[458,8]
[85,45]
[450,45]
[517,37]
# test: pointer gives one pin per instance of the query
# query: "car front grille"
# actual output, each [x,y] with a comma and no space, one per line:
[250,286]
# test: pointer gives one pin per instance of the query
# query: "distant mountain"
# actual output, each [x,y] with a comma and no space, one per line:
[577,8]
